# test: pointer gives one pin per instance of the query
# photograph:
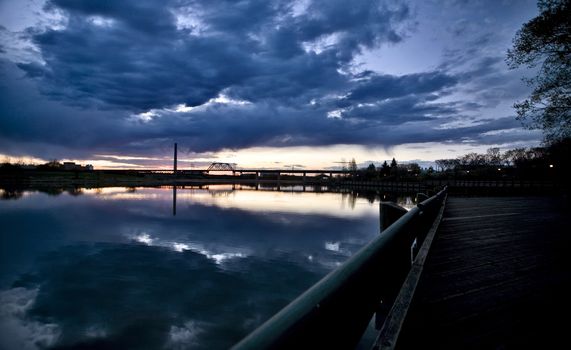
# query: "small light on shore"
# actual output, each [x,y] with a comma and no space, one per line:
[499,169]
[551,165]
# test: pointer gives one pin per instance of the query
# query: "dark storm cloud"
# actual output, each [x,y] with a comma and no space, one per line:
[30,124]
[400,110]
[265,125]
[151,17]
[383,86]
[60,131]
[140,55]
[95,65]
[293,62]
[393,100]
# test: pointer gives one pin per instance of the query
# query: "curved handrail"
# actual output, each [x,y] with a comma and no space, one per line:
[345,299]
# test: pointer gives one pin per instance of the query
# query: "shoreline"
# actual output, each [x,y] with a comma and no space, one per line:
[68,180]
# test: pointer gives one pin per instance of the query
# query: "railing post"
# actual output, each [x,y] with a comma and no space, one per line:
[421,197]
[389,213]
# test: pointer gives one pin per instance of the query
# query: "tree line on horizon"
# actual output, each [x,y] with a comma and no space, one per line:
[52,165]
[548,162]
[531,162]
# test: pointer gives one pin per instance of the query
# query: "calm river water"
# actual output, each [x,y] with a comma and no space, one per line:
[115,268]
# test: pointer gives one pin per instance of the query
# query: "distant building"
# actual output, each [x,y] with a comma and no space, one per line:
[74,166]
[71,166]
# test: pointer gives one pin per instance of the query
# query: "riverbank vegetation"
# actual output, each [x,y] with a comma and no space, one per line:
[533,163]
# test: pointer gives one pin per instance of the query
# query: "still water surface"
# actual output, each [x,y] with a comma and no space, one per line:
[114,268]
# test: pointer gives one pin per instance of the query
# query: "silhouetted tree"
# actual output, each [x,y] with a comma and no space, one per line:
[494,157]
[515,156]
[446,164]
[549,162]
[559,159]
[393,163]
[472,161]
[371,171]
[394,168]
[51,165]
[385,169]
[546,41]
[413,168]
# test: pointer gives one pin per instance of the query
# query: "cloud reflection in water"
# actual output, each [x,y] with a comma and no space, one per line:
[120,272]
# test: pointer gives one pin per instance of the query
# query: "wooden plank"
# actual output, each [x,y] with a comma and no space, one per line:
[497,276]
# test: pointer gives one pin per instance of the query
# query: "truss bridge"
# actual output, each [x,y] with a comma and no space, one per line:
[221,167]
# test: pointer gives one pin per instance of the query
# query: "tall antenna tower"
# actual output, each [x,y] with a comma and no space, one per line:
[175,156]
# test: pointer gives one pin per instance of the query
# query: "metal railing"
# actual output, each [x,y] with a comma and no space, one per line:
[335,311]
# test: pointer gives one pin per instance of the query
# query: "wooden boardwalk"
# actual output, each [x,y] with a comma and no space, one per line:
[497,276]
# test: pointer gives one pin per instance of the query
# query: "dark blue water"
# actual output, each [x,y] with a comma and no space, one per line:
[113,268]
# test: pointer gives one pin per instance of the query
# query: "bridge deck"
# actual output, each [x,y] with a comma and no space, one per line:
[497,277]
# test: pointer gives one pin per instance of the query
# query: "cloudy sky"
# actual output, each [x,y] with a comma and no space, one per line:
[265,83]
